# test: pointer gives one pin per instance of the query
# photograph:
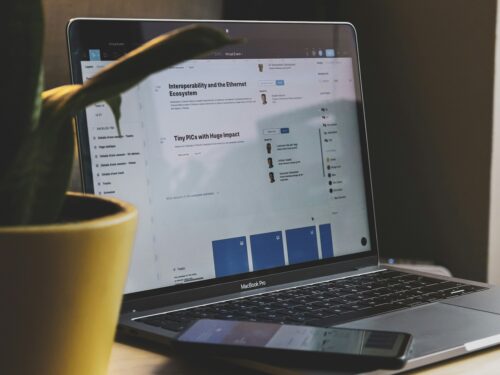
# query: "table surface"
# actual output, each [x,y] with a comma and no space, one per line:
[148,360]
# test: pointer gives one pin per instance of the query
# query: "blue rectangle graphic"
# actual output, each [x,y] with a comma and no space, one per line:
[325,235]
[267,250]
[329,52]
[94,54]
[230,256]
[302,244]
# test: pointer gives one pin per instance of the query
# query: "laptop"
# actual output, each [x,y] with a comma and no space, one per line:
[250,170]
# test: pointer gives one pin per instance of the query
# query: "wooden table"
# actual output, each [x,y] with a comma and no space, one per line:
[148,360]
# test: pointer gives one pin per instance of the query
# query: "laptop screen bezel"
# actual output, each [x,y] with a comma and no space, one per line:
[228,284]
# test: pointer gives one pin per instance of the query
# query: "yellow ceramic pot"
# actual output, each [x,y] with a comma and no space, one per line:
[61,287]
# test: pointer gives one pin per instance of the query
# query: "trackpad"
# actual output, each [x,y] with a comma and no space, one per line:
[487,300]
[435,327]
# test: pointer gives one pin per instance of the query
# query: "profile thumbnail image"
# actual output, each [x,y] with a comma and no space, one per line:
[261,67]
[269,147]
[263,97]
[271,177]
[270,162]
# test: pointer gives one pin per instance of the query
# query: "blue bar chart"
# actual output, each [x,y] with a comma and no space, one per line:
[267,250]
[230,256]
[325,235]
[302,244]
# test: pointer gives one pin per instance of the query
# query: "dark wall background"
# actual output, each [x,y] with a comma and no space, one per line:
[427,70]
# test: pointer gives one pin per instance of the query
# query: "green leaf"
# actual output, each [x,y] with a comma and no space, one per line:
[21,35]
[51,179]
[115,103]
[37,179]
[162,52]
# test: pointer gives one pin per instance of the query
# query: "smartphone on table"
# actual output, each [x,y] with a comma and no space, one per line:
[296,346]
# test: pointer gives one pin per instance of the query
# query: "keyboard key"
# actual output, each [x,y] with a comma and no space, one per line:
[324,304]
[473,288]
[314,315]
[341,309]
[388,274]
[305,308]
[439,287]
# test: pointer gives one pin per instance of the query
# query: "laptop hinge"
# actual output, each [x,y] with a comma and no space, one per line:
[367,268]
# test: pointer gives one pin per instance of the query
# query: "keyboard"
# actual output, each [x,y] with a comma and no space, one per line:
[323,304]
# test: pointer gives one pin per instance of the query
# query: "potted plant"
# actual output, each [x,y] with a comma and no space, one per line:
[64,257]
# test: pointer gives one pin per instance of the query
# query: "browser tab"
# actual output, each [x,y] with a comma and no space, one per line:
[94,54]
[329,52]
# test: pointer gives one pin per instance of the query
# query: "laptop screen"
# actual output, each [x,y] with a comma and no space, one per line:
[247,160]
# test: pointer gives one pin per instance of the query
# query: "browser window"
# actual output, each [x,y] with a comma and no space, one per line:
[235,164]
